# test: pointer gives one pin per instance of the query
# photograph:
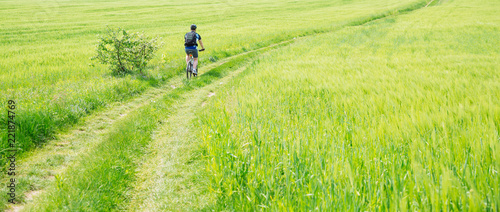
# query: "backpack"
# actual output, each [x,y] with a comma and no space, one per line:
[190,39]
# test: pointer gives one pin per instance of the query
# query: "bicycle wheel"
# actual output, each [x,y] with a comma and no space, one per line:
[189,69]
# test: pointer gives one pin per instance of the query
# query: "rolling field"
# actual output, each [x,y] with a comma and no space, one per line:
[301,105]
[46,46]
[402,113]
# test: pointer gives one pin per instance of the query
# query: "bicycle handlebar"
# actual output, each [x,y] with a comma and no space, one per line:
[201,50]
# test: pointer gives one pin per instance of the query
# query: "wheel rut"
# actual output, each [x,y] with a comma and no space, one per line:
[169,178]
[55,156]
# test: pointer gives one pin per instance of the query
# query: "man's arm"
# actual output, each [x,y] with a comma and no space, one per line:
[201,44]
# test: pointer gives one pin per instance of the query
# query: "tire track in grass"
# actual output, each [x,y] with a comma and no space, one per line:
[41,165]
[102,176]
[170,177]
[38,169]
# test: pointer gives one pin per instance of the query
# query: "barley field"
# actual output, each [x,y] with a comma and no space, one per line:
[399,114]
[343,105]
[46,46]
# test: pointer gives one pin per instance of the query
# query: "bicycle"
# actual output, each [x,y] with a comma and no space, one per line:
[189,68]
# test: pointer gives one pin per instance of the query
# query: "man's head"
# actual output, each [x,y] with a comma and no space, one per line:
[193,27]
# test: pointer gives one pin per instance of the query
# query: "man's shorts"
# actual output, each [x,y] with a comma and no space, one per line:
[194,52]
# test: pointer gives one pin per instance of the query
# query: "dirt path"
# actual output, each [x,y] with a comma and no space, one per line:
[38,169]
[170,177]
[166,180]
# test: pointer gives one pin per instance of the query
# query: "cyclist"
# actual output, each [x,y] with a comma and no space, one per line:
[190,43]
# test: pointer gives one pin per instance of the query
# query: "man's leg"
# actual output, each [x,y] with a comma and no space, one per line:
[187,59]
[195,64]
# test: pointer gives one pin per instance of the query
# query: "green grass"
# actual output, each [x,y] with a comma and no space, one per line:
[105,172]
[103,177]
[45,48]
[399,114]
[375,106]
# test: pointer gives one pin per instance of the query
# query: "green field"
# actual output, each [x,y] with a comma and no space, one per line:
[46,46]
[301,105]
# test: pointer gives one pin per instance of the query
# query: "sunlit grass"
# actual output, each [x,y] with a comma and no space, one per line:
[400,114]
[102,177]
[45,48]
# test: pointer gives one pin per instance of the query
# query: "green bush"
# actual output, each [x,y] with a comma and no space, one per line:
[125,52]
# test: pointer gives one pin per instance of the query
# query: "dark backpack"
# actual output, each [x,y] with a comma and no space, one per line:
[190,39]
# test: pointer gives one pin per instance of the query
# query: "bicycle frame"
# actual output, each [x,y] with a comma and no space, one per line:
[189,68]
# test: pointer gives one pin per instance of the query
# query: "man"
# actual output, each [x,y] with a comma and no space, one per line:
[190,43]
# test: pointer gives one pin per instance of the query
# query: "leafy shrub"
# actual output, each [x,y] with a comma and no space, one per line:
[125,52]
